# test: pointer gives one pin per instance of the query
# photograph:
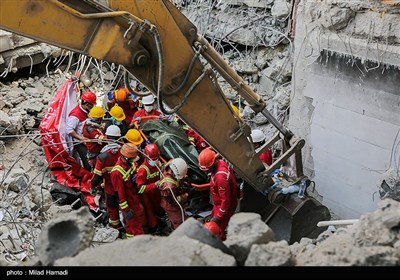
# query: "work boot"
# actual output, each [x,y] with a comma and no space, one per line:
[120,229]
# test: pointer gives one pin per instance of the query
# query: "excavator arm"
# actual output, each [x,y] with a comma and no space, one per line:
[160,47]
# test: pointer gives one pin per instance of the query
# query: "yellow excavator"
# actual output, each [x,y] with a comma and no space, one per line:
[161,48]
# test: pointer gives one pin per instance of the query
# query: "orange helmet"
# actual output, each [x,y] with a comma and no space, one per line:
[206,159]
[89,97]
[121,94]
[152,151]
[129,150]
[213,227]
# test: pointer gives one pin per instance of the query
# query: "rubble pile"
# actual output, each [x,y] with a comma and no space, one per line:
[254,37]
[373,241]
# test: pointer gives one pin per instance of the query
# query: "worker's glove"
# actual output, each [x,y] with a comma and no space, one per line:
[215,220]
[157,184]
[110,95]
[128,215]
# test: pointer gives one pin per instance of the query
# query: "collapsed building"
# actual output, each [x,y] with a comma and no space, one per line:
[328,68]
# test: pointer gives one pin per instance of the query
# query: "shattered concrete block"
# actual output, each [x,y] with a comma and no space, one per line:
[244,230]
[271,254]
[105,235]
[32,91]
[2,104]
[336,18]
[147,250]
[4,119]
[280,9]
[65,236]
[195,230]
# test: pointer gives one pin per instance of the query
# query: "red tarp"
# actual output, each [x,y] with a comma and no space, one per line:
[62,165]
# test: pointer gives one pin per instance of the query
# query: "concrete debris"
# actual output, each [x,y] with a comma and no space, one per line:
[147,250]
[335,18]
[371,241]
[389,185]
[271,254]
[65,236]
[244,230]
[105,235]
[281,9]
[195,230]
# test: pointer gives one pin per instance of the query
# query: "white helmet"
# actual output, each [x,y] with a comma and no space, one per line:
[179,167]
[148,100]
[113,130]
[257,136]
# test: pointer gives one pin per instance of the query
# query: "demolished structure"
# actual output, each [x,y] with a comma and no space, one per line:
[342,98]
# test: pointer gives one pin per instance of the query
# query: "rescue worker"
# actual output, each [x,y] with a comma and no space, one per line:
[147,110]
[123,180]
[174,194]
[258,138]
[74,126]
[223,188]
[195,139]
[94,132]
[118,118]
[148,176]
[133,136]
[126,100]
[104,163]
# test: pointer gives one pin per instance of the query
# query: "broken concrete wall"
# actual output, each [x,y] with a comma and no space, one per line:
[346,99]
[17,52]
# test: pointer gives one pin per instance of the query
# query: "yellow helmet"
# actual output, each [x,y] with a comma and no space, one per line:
[236,111]
[134,137]
[96,112]
[118,113]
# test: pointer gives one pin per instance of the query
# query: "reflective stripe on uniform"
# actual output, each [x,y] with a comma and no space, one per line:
[114,222]
[142,189]
[148,174]
[123,205]
[125,174]
[169,180]
[97,172]
[128,235]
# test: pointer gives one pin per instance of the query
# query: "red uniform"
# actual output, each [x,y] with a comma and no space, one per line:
[104,164]
[93,131]
[130,106]
[143,113]
[122,176]
[224,191]
[175,214]
[146,178]
[266,157]
[195,139]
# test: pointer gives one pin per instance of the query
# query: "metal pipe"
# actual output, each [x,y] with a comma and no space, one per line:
[336,222]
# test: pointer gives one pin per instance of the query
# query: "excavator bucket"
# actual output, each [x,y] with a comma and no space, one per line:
[290,220]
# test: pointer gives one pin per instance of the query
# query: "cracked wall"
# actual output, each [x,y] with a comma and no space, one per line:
[345,98]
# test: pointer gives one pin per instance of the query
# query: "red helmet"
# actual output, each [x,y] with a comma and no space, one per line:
[152,151]
[206,159]
[89,97]
[213,227]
